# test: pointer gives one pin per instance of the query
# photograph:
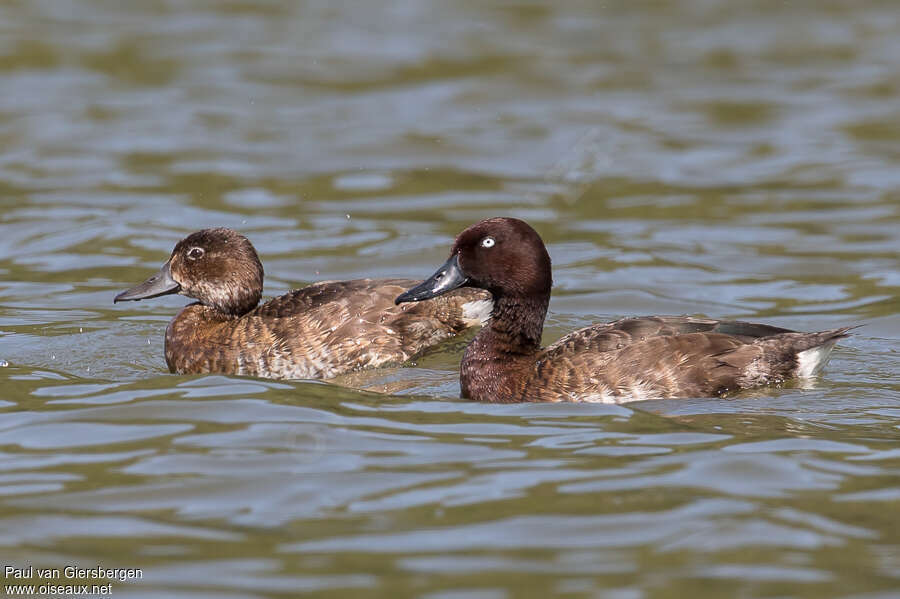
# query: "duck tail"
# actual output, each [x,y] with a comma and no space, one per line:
[812,350]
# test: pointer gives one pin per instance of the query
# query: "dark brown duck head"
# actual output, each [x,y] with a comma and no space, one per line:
[506,257]
[217,267]
[502,255]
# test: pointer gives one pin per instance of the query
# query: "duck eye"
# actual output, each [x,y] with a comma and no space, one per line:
[195,253]
[488,242]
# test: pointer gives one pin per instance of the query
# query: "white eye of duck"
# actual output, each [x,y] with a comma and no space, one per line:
[195,253]
[488,242]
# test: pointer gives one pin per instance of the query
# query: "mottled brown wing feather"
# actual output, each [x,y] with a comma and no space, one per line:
[300,301]
[625,331]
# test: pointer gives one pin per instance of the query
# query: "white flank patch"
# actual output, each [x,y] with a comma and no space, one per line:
[813,360]
[633,391]
[478,311]
[602,395]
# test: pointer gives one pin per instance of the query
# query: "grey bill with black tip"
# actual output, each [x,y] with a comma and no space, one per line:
[161,283]
[447,278]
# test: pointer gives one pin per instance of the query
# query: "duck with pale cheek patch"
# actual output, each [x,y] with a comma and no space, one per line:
[320,331]
[650,357]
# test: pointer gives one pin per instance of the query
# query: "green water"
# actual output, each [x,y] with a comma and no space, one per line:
[727,159]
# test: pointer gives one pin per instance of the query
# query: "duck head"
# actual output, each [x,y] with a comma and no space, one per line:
[217,267]
[502,255]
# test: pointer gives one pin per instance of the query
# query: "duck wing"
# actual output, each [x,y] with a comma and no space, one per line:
[376,296]
[316,295]
[627,331]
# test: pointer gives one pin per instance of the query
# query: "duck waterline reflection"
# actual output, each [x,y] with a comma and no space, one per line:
[694,157]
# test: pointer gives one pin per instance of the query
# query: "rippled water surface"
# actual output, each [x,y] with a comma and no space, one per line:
[701,157]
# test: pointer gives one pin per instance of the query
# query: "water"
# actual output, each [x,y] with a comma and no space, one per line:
[694,157]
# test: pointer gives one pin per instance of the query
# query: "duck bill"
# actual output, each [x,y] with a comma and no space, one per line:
[447,278]
[161,283]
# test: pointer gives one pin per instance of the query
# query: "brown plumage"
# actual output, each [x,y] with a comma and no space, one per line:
[630,359]
[320,331]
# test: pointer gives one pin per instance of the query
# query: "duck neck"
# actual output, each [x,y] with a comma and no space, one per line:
[243,305]
[503,348]
[230,300]
[515,326]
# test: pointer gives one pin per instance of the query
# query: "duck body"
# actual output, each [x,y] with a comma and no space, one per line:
[319,331]
[652,357]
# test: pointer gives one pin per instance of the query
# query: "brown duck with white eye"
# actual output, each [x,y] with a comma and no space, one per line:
[320,331]
[630,359]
